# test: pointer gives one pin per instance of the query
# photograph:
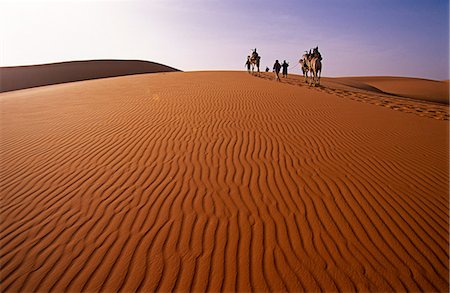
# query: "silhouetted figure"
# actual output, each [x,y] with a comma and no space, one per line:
[267,69]
[316,53]
[276,69]
[285,66]
[254,54]
[248,63]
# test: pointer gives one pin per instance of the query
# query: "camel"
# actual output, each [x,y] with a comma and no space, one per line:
[315,69]
[305,69]
[254,62]
[314,64]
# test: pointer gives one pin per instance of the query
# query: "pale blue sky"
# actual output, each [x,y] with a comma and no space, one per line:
[356,37]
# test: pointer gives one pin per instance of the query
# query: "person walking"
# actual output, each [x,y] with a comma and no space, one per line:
[248,64]
[285,66]
[276,69]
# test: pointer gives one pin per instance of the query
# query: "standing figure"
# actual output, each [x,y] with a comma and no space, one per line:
[285,66]
[247,64]
[276,69]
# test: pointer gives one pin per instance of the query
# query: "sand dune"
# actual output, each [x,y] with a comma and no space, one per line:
[352,88]
[220,181]
[22,77]
[415,88]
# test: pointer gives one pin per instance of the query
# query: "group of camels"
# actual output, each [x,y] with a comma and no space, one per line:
[310,62]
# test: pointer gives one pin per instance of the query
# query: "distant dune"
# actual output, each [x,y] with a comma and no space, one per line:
[223,182]
[22,77]
[407,87]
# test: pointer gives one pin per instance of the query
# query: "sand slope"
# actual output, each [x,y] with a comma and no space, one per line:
[414,88]
[219,181]
[21,77]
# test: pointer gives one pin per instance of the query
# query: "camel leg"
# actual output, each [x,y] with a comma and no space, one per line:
[315,78]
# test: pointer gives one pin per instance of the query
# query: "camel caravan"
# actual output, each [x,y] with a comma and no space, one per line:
[310,62]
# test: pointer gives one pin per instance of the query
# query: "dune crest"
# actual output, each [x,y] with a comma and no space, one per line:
[22,77]
[413,99]
[407,87]
[218,181]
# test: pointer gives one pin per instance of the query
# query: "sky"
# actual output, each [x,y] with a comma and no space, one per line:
[355,37]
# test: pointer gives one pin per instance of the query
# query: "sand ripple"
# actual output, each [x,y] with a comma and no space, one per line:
[218,182]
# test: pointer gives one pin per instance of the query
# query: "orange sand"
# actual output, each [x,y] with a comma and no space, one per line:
[221,181]
[414,88]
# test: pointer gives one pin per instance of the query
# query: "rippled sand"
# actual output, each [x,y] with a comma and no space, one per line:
[221,181]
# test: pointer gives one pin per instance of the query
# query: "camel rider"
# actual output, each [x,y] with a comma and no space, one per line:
[306,56]
[317,53]
[254,54]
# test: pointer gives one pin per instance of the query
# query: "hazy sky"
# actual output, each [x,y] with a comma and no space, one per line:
[355,37]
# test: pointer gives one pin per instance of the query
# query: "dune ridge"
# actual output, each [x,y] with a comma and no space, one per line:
[411,101]
[407,87]
[218,181]
[23,77]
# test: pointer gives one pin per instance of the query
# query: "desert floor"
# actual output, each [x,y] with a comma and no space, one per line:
[224,181]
